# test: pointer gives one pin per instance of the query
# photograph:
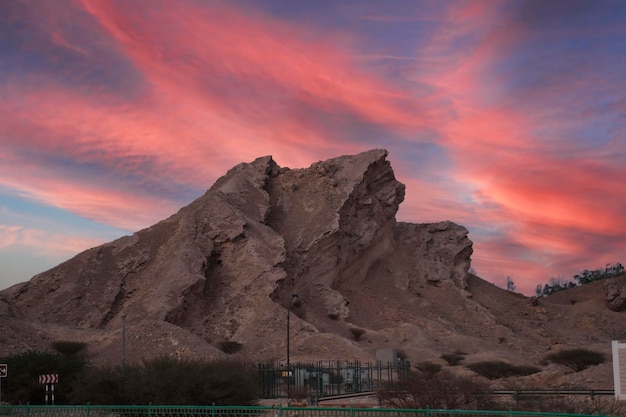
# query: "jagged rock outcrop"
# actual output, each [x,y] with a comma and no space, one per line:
[225,267]
[615,295]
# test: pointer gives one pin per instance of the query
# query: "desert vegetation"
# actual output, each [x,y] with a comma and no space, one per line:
[230,346]
[446,390]
[454,358]
[437,390]
[500,369]
[584,277]
[161,381]
[68,347]
[428,368]
[576,359]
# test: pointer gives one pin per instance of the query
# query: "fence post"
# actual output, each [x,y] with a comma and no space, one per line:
[87,413]
[150,409]
[27,408]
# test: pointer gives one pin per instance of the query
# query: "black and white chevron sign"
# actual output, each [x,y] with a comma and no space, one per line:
[49,379]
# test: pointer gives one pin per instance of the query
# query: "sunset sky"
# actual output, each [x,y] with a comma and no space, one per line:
[508,117]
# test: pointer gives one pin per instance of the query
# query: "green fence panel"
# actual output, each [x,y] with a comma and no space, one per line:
[231,411]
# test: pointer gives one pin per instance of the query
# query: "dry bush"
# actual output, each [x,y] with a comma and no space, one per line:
[574,404]
[441,390]
[68,348]
[169,381]
[499,369]
[428,368]
[453,359]
[230,346]
[576,359]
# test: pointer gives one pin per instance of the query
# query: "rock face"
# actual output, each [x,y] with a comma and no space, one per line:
[615,295]
[225,267]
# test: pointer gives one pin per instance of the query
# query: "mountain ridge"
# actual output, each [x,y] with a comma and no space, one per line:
[224,268]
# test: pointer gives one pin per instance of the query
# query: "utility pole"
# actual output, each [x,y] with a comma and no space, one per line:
[293,297]
[123,340]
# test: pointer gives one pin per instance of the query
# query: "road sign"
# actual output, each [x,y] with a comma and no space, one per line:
[4,370]
[49,379]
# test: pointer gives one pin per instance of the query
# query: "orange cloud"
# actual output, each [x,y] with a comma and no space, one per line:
[180,52]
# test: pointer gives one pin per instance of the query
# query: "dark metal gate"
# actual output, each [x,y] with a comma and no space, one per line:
[305,380]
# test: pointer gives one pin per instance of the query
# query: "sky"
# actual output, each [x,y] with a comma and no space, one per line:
[507,117]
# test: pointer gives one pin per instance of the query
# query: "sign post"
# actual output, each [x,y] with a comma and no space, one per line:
[4,371]
[49,380]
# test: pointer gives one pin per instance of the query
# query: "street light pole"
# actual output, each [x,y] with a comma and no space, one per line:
[123,340]
[293,297]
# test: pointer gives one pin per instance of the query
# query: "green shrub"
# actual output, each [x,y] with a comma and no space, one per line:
[576,359]
[500,369]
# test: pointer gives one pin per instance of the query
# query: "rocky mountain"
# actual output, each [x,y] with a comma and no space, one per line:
[224,269]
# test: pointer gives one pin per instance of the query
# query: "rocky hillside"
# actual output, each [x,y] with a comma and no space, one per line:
[223,271]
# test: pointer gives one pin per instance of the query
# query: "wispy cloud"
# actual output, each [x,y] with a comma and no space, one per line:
[506,117]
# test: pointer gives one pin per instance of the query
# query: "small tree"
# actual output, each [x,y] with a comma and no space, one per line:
[510,285]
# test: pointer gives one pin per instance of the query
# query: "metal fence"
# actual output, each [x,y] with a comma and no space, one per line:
[323,379]
[222,411]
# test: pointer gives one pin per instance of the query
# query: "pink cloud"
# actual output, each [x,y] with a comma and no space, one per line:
[179,129]
[123,209]
[179,51]
[217,86]
[44,242]
[541,203]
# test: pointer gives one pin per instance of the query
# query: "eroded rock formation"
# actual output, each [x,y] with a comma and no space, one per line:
[225,267]
[615,295]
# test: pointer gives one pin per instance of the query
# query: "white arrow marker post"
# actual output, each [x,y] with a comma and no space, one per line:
[49,380]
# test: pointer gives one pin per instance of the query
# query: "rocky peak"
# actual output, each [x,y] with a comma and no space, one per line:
[224,267]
